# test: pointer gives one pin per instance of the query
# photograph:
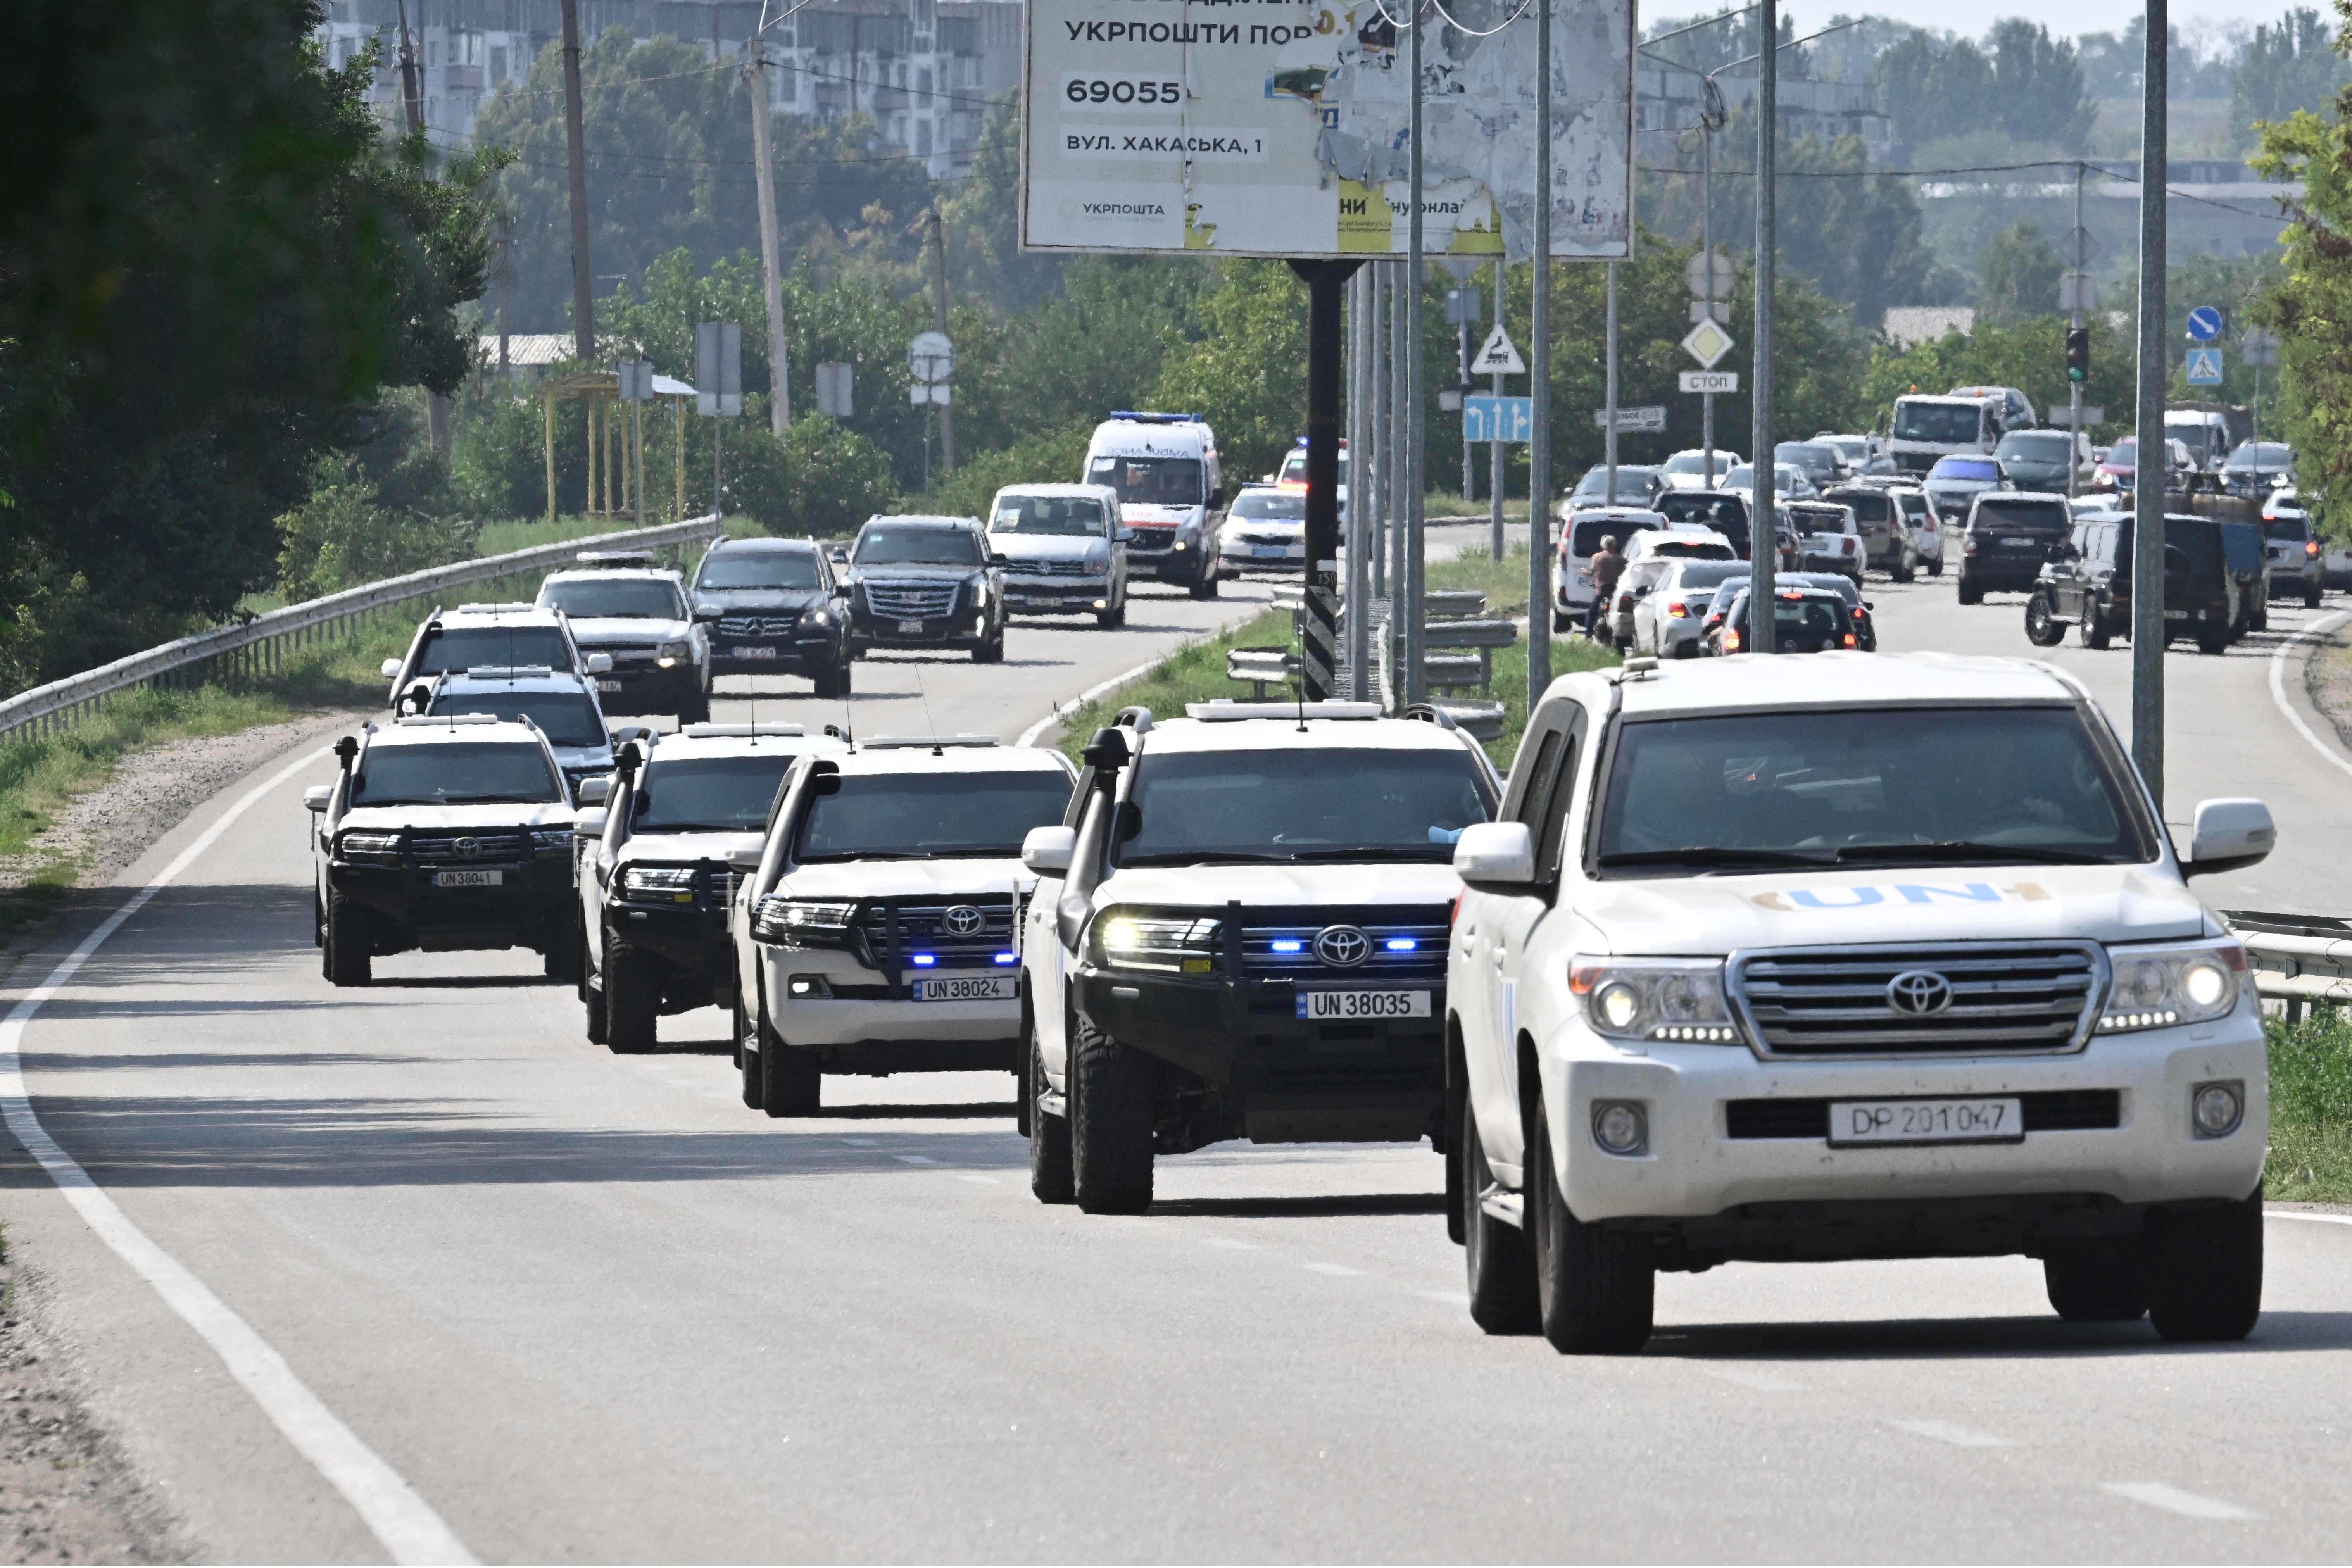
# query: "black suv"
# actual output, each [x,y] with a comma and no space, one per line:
[773,604]
[925,582]
[2088,585]
[2011,535]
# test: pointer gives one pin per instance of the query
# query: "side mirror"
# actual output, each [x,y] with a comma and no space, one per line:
[998,561]
[1047,851]
[1497,855]
[746,857]
[590,824]
[2228,835]
[704,610]
[596,791]
[391,669]
[623,733]
[317,797]
[598,664]
[1124,535]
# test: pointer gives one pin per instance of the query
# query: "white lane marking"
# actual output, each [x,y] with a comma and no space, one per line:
[861,1142]
[406,1525]
[969,1176]
[1762,1382]
[2314,1218]
[2278,685]
[914,1159]
[1952,1432]
[2172,1500]
[1029,736]
[1334,1270]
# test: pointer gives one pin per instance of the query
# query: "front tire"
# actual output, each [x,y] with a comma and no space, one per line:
[1495,1253]
[1971,593]
[2212,640]
[631,1001]
[832,681]
[991,651]
[1051,1174]
[1110,1125]
[748,1048]
[2205,1272]
[2311,597]
[2095,634]
[591,1001]
[1206,588]
[1595,1288]
[792,1083]
[2040,629]
[1935,567]
[1110,620]
[348,955]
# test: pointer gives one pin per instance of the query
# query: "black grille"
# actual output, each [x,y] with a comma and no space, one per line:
[1267,955]
[2045,1110]
[758,628]
[911,601]
[442,848]
[922,928]
[2005,997]
[1148,540]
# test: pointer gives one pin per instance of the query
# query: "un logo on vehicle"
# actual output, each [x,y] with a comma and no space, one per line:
[1342,947]
[962,919]
[1919,994]
[468,848]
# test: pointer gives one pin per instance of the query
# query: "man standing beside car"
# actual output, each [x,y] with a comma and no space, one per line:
[1606,566]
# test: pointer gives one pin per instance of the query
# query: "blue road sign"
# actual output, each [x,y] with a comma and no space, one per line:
[1499,418]
[2204,367]
[2204,325]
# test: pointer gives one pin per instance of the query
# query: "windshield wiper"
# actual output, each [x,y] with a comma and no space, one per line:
[1718,855]
[1207,858]
[698,827]
[1428,852]
[494,800]
[1970,849]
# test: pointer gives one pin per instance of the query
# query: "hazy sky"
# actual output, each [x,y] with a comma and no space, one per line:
[2074,17]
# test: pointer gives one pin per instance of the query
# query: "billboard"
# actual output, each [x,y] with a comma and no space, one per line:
[1282,127]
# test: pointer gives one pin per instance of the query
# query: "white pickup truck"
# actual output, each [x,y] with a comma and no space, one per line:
[1848,957]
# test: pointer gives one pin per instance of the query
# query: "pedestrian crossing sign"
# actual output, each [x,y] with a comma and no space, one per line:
[2204,367]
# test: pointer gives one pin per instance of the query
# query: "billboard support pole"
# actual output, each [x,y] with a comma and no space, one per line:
[1416,678]
[1540,382]
[1763,527]
[1326,285]
[2154,380]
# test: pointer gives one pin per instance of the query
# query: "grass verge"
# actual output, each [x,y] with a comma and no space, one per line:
[2311,1109]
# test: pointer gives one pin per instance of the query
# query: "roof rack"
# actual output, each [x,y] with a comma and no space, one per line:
[934,742]
[495,606]
[616,558]
[1225,710]
[1134,416]
[450,721]
[737,732]
[507,671]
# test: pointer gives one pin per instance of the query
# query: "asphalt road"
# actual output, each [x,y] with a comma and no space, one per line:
[564,1305]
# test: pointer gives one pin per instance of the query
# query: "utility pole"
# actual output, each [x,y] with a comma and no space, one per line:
[1359,524]
[1400,467]
[1497,545]
[1707,127]
[1609,390]
[940,324]
[2073,323]
[1462,380]
[1763,531]
[1540,382]
[780,385]
[2155,375]
[1416,682]
[412,114]
[575,151]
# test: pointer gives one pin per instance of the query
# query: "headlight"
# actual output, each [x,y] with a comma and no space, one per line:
[818,618]
[2157,989]
[659,884]
[369,846]
[551,840]
[1165,941]
[670,653]
[1654,999]
[803,922]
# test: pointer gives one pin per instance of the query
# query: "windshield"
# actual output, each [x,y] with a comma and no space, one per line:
[1148,481]
[918,547]
[1584,539]
[452,774]
[1294,467]
[1891,788]
[1946,424]
[1816,459]
[620,598]
[565,718]
[2124,453]
[1967,469]
[1709,574]
[1801,622]
[922,816]
[2034,447]
[759,569]
[1633,486]
[2262,454]
[1269,506]
[1075,516]
[464,648]
[1690,549]
[2048,516]
[1726,514]
[1301,804]
[718,794]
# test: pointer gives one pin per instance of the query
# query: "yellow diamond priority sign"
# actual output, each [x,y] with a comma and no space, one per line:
[1708,342]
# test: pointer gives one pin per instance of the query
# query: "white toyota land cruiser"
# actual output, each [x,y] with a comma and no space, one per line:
[874,933]
[1240,932]
[655,880]
[1847,957]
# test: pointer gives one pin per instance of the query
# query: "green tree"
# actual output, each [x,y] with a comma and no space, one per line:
[2288,64]
[820,480]
[1248,370]
[983,221]
[2028,83]
[2017,275]
[2029,354]
[2311,308]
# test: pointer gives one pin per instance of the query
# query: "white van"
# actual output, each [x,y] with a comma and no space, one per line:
[1171,492]
[1579,541]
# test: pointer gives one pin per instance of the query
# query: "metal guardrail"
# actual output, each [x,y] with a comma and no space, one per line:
[253,648]
[2298,960]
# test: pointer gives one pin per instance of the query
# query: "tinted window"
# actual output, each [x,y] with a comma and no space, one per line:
[2034,447]
[2042,515]
[718,793]
[1149,481]
[565,718]
[1079,515]
[452,774]
[1816,458]
[1300,804]
[622,598]
[1709,574]
[887,546]
[920,816]
[2268,454]
[1868,506]
[1801,623]
[759,569]
[1967,468]
[464,648]
[2124,453]
[1584,539]
[2286,528]
[1944,423]
[1280,506]
[1633,485]
[1870,787]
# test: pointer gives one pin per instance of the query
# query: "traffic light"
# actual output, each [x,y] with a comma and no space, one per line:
[2078,353]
